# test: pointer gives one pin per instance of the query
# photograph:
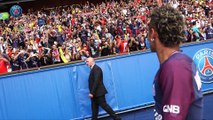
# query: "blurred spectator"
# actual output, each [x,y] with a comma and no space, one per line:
[124,48]
[3,63]
[23,57]
[14,61]
[55,54]
[133,44]
[195,31]
[33,60]
[141,44]
[67,54]
[104,47]
[209,31]
[93,49]
[45,57]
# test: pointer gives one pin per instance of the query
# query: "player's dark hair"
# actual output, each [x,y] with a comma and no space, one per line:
[169,24]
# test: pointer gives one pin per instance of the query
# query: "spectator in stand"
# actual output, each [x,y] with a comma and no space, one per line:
[133,44]
[55,54]
[209,31]
[45,57]
[14,61]
[2,45]
[105,47]
[113,48]
[188,36]
[84,51]
[93,49]
[67,54]
[3,63]
[195,31]
[22,58]
[142,45]
[33,60]
[124,48]
[9,50]
[207,11]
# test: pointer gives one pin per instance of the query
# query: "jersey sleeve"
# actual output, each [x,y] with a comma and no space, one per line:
[176,85]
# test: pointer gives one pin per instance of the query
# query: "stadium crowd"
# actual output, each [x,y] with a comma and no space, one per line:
[69,33]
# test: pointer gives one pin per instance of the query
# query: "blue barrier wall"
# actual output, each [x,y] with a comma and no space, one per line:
[62,92]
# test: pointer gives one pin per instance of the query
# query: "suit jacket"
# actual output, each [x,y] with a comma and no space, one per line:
[96,85]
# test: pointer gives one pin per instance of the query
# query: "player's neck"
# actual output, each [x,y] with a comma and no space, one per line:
[165,53]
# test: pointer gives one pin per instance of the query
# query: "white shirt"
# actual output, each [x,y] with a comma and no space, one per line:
[92,65]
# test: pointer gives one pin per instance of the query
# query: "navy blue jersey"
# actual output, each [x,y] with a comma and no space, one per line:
[177,90]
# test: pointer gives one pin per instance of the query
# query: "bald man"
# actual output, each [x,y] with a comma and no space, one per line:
[98,91]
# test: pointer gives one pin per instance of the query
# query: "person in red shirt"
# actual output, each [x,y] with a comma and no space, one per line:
[9,51]
[3,63]
[123,46]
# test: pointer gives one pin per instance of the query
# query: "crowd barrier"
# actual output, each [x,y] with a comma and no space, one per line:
[61,92]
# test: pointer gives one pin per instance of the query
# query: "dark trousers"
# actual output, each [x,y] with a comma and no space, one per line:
[101,101]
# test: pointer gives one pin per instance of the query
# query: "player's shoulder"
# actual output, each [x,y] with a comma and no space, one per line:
[177,60]
[97,67]
[179,57]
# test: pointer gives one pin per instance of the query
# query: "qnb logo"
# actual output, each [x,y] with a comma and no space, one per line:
[204,61]
[171,109]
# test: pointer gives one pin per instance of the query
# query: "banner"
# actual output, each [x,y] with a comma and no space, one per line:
[4,16]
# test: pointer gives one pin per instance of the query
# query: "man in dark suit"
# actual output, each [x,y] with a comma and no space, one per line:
[98,91]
